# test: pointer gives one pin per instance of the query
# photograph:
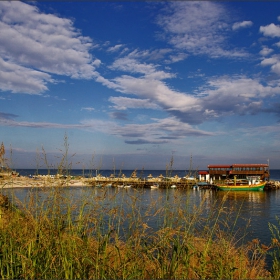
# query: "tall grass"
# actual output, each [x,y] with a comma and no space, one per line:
[108,235]
[275,244]
[111,234]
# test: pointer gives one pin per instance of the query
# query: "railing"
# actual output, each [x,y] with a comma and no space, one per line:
[238,172]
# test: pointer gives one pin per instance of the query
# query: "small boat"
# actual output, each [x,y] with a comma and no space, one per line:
[127,186]
[203,184]
[241,186]
[173,186]
[155,186]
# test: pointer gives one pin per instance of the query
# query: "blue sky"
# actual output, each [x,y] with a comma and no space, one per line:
[132,84]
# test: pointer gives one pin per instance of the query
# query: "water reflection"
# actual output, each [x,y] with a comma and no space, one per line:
[255,197]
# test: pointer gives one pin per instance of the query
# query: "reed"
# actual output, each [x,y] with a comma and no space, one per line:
[275,244]
[108,234]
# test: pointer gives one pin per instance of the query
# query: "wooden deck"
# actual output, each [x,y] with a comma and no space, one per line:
[162,183]
[144,183]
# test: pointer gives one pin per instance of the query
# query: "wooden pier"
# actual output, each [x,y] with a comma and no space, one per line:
[165,183]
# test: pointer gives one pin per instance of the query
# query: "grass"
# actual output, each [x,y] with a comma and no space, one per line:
[108,235]
[112,234]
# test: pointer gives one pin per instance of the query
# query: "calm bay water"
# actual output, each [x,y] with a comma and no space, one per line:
[258,208]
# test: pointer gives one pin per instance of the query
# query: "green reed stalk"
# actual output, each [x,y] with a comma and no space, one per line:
[275,254]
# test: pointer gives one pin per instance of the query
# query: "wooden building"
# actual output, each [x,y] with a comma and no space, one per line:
[203,176]
[241,171]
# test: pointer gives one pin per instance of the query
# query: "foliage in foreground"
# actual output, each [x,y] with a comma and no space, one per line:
[56,239]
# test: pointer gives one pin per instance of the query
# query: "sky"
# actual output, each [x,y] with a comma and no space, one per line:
[140,85]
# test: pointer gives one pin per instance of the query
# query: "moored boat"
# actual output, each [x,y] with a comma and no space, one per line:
[155,186]
[241,186]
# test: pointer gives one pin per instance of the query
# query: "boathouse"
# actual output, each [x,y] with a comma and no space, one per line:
[203,176]
[240,171]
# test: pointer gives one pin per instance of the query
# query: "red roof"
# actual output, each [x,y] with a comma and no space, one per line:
[203,172]
[239,165]
[250,165]
[219,166]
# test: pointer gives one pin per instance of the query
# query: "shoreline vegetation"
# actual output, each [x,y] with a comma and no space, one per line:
[107,235]
[61,240]
[98,239]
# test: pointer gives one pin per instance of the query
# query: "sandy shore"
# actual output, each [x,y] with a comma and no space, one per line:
[26,182]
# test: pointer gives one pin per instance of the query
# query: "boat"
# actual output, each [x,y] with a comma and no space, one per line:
[241,186]
[155,186]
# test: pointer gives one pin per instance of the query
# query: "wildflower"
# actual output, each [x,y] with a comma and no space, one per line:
[264,247]
[275,241]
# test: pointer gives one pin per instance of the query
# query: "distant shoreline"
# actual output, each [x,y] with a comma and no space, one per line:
[26,182]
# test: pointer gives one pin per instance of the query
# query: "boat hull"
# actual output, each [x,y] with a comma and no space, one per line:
[258,187]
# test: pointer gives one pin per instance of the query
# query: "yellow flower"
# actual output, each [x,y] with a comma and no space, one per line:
[275,241]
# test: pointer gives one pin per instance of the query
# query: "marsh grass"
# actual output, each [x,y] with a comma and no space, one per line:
[107,234]
[113,234]
[275,252]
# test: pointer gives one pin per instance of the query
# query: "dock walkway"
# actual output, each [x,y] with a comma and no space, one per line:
[180,183]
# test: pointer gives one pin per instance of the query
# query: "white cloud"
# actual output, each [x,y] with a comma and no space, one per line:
[238,87]
[269,61]
[276,67]
[197,27]
[89,109]
[266,51]
[96,62]
[158,131]
[176,57]
[274,62]
[219,97]
[270,30]
[115,48]
[156,91]
[242,24]
[19,79]
[273,31]
[123,103]
[31,40]
[235,95]
[133,66]
[150,55]
[5,120]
